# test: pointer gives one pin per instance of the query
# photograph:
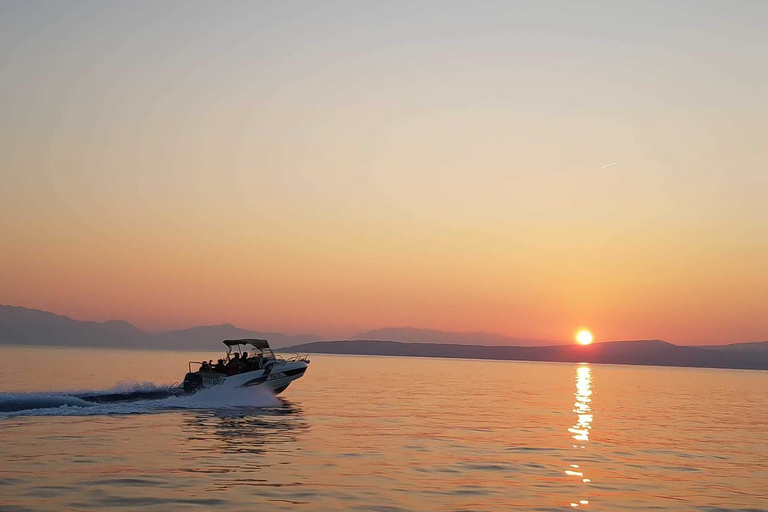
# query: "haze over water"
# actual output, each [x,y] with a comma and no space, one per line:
[377,433]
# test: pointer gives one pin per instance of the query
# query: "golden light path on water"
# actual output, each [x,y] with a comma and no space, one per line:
[580,430]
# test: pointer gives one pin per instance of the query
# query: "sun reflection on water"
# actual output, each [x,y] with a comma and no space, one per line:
[580,430]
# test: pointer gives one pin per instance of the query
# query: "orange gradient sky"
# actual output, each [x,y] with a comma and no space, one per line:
[338,167]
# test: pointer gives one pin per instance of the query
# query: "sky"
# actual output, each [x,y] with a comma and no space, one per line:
[333,167]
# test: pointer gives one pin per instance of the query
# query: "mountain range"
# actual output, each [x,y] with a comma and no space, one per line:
[751,356]
[23,326]
[414,335]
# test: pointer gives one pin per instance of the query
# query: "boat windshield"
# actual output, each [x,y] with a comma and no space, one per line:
[252,347]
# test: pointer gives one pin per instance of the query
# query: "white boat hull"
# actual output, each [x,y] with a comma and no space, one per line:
[276,376]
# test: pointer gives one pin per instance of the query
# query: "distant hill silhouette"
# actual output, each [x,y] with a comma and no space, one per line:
[754,346]
[415,335]
[202,336]
[643,352]
[23,326]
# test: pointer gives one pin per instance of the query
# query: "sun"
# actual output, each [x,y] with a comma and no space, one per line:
[584,337]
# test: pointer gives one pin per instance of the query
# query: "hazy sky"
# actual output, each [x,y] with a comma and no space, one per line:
[333,167]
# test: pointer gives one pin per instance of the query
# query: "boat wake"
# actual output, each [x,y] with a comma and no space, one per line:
[136,398]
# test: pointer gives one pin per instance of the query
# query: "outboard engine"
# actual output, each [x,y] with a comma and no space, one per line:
[192,382]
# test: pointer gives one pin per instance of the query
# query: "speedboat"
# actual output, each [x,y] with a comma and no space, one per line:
[239,369]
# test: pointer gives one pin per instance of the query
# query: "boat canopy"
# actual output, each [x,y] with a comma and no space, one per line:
[260,344]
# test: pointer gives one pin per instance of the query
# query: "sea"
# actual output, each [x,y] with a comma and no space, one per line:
[369,433]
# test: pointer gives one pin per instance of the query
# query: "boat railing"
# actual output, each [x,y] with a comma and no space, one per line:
[196,362]
[291,358]
[279,358]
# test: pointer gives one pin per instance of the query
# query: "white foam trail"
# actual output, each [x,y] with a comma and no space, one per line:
[131,387]
[65,404]
[19,402]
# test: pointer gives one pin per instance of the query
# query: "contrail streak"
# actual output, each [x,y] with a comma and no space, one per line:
[611,165]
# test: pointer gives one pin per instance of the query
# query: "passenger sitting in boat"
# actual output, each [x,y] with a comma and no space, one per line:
[232,365]
[220,367]
[252,363]
[205,367]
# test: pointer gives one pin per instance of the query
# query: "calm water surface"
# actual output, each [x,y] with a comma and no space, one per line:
[376,433]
